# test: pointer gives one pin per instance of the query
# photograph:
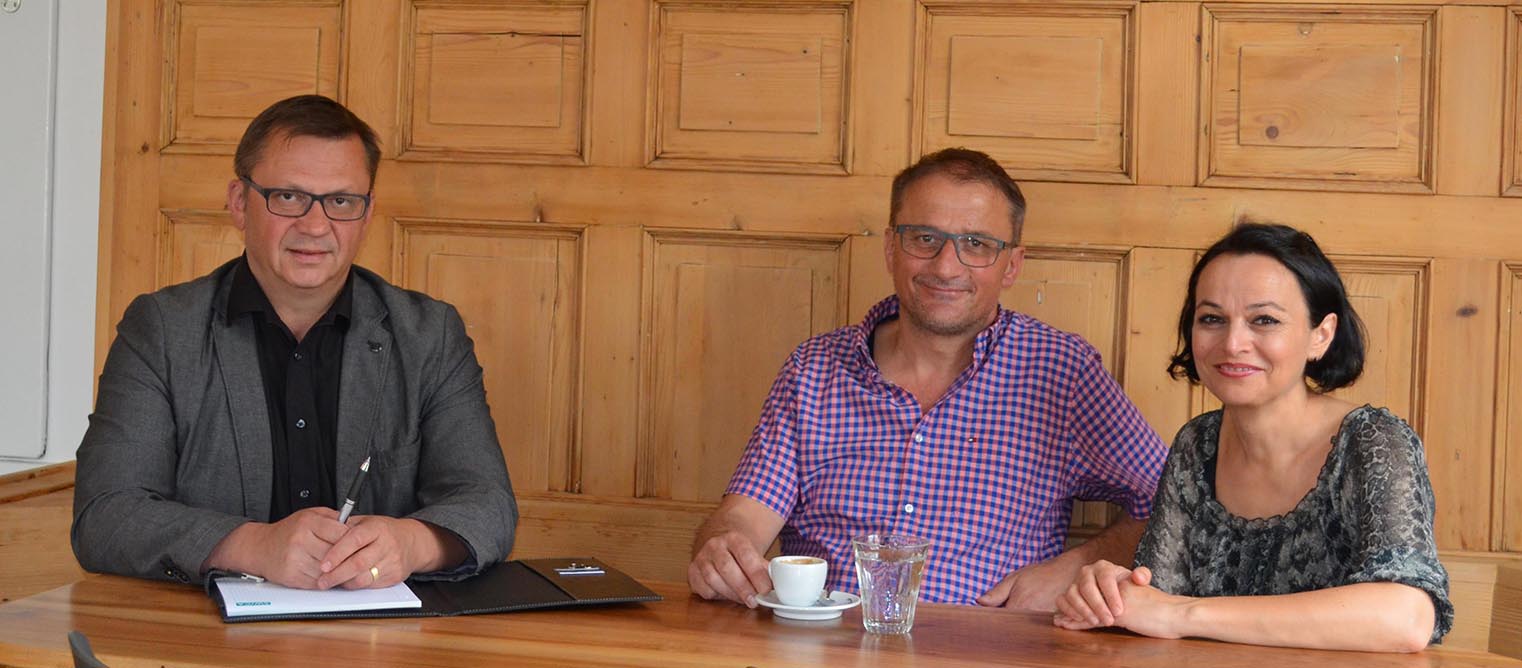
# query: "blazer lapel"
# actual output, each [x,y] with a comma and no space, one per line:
[238,358]
[367,351]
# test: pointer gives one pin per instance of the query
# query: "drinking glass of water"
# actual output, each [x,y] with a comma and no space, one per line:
[889,568]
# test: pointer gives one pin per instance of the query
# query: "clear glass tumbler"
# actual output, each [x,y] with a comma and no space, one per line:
[889,568]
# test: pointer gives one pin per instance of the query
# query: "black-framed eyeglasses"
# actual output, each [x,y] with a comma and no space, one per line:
[925,243]
[293,203]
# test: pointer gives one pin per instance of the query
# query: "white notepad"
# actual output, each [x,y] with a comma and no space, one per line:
[246,597]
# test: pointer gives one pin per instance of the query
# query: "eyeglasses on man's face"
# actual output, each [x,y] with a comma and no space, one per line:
[974,250]
[292,203]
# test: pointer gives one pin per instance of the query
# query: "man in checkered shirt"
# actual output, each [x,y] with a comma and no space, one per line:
[941,415]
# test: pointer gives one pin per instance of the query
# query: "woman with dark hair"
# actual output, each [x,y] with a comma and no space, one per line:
[1289,517]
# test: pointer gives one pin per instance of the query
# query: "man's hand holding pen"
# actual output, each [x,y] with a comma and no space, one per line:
[288,552]
[322,548]
[376,551]
[394,548]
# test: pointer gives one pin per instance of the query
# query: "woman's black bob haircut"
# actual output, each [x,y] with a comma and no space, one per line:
[1319,283]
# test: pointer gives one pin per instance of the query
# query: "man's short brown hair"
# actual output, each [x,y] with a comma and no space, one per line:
[304,116]
[962,165]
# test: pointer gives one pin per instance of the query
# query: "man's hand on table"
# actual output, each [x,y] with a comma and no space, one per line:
[728,566]
[1034,587]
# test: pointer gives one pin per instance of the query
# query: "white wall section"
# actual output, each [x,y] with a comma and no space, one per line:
[27,38]
[52,72]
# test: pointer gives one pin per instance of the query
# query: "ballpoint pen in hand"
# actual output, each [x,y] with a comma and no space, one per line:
[354,489]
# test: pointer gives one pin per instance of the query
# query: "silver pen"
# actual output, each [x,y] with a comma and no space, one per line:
[354,489]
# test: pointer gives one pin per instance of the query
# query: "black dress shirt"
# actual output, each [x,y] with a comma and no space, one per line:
[301,381]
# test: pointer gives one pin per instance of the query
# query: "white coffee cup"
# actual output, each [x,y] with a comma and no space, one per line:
[798,580]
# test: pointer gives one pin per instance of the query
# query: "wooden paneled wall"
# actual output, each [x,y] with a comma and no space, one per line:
[641,206]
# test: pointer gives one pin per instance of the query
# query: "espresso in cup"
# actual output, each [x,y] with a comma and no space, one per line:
[798,580]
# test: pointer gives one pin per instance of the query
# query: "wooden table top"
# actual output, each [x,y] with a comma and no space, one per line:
[138,623]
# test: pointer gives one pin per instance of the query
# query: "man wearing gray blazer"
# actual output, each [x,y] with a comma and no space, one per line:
[235,410]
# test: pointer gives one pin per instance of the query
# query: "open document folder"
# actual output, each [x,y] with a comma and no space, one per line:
[507,587]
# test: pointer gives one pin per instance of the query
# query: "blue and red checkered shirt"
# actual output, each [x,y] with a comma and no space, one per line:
[989,474]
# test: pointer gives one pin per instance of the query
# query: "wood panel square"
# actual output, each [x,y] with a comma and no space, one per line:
[760,88]
[517,288]
[1044,88]
[497,84]
[704,292]
[727,75]
[227,61]
[1318,98]
[496,80]
[1389,298]
[1054,82]
[193,243]
[1339,96]
[219,50]
[1076,291]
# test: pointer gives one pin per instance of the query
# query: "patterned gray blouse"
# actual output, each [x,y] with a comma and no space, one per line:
[1369,519]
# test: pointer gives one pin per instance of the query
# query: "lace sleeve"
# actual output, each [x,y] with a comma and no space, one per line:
[1388,493]
[1164,547]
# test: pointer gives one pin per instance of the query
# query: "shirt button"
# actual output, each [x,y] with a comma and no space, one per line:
[301,424]
[305,493]
[297,356]
[909,508]
[919,438]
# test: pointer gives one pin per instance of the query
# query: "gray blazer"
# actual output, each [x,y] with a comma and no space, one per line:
[177,454]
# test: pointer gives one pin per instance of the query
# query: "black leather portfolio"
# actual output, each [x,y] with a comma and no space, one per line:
[527,584]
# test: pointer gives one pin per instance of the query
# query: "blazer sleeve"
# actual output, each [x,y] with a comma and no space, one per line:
[125,518]
[462,481]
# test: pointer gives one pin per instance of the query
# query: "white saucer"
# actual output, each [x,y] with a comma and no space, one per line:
[824,608]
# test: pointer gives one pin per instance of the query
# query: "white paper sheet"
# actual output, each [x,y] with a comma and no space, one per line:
[244,598]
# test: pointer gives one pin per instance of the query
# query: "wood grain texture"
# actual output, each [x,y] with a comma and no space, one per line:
[1471,68]
[36,482]
[1059,213]
[1472,590]
[1511,151]
[1167,92]
[880,146]
[1460,399]
[1508,443]
[1506,616]
[34,545]
[136,623]
[1151,336]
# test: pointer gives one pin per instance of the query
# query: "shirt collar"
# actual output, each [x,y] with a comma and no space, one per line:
[247,297]
[887,309]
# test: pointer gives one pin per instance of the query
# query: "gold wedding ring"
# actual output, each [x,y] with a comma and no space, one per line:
[374,573]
